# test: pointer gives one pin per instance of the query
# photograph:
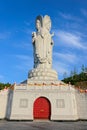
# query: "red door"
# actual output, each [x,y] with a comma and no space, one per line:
[42,108]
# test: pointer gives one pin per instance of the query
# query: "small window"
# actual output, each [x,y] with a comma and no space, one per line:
[23,103]
[60,103]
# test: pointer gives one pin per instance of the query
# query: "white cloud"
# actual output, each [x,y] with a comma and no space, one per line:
[66,56]
[69,17]
[84,12]
[61,68]
[70,39]
[25,62]
[23,57]
[28,31]
[28,23]
[4,35]
[24,45]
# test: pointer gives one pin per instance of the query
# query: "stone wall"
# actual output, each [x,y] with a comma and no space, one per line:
[3,103]
[61,98]
[81,99]
[66,102]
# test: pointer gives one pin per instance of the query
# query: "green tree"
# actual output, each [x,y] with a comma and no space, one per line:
[3,85]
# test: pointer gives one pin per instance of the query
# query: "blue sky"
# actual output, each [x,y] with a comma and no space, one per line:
[17,22]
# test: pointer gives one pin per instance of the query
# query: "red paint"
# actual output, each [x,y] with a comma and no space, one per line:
[42,108]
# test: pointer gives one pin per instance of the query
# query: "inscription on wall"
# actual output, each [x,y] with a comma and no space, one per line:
[60,103]
[23,103]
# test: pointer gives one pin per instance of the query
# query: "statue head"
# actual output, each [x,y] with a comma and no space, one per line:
[38,22]
[47,22]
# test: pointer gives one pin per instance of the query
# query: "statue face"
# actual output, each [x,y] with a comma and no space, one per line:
[38,24]
[48,25]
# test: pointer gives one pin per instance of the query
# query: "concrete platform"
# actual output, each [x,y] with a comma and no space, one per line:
[11,125]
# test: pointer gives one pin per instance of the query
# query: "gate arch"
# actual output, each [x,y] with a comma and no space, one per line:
[41,108]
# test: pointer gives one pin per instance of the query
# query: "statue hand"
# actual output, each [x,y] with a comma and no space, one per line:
[43,60]
[34,34]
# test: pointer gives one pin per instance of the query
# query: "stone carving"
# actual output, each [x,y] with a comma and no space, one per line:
[42,43]
[42,51]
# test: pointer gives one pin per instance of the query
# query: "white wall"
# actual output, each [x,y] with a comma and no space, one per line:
[66,102]
[62,99]
[3,103]
[82,105]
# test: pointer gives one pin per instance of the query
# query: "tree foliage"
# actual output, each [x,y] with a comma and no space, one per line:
[77,79]
[4,85]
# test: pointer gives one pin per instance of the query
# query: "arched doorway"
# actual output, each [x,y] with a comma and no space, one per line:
[41,108]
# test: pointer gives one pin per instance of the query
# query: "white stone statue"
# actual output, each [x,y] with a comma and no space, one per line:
[42,43]
[42,49]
